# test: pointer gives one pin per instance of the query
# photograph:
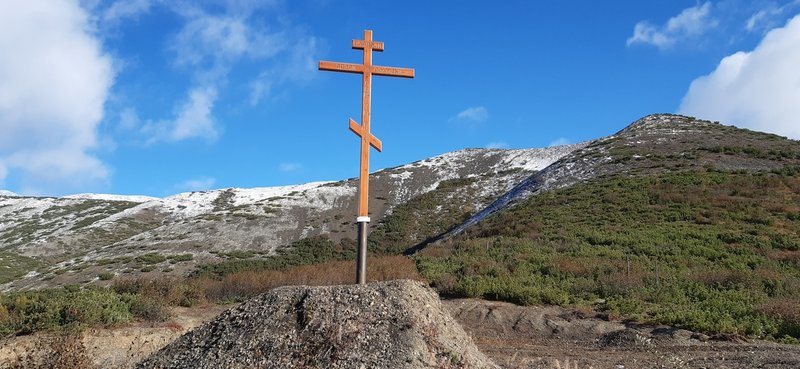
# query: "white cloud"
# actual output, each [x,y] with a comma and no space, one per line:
[54,81]
[125,9]
[298,67]
[759,89]
[477,114]
[290,167]
[197,184]
[194,119]
[497,145]
[129,119]
[218,39]
[210,44]
[559,141]
[769,17]
[691,22]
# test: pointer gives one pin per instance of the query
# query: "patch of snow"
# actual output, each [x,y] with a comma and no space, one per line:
[31,274]
[245,196]
[26,207]
[110,197]
[190,204]
[534,160]
[401,176]
[8,193]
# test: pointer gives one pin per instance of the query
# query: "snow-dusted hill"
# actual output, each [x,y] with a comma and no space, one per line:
[75,238]
[653,144]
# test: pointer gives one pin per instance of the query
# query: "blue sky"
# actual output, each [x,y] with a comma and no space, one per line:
[157,97]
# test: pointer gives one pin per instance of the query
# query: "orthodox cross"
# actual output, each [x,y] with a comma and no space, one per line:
[367,70]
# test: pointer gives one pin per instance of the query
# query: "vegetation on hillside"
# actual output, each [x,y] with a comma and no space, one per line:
[717,252]
[424,217]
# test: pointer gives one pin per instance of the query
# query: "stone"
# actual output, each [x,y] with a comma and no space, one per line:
[396,324]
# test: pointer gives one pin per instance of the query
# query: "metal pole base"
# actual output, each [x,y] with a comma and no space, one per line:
[361,257]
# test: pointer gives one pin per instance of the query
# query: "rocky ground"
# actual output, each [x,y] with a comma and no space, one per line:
[514,337]
[117,347]
[396,324]
[549,337]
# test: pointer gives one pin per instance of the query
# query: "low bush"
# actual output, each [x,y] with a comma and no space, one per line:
[62,309]
[150,258]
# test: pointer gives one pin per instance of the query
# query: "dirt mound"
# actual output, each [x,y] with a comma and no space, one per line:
[397,324]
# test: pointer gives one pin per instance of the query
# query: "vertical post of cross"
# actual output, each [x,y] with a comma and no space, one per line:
[362,220]
[366,69]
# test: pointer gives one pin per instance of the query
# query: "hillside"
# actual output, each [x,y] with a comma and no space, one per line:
[655,144]
[670,221]
[76,239]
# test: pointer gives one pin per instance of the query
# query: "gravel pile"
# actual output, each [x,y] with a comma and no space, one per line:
[397,324]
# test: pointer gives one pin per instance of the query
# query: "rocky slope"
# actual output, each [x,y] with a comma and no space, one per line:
[655,144]
[398,324]
[56,241]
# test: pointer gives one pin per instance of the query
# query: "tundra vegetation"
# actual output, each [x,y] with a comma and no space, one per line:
[715,252]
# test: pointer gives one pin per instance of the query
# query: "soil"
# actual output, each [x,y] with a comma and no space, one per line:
[118,347]
[550,337]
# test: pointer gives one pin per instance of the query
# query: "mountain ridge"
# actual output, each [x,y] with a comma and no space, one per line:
[210,224]
[55,241]
[608,155]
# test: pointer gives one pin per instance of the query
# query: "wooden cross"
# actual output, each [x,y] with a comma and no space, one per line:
[367,139]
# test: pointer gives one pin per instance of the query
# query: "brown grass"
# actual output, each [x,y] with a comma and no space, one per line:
[243,285]
[787,256]
[247,284]
[56,352]
[721,278]
[781,308]
[624,281]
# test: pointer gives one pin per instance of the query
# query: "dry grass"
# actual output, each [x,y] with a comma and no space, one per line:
[790,256]
[721,278]
[242,285]
[55,352]
[783,308]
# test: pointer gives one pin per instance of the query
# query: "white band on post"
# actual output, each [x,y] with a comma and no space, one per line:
[362,219]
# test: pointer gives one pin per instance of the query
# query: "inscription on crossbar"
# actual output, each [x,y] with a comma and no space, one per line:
[362,44]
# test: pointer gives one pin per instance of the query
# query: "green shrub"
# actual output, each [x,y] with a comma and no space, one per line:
[180,258]
[60,309]
[150,258]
